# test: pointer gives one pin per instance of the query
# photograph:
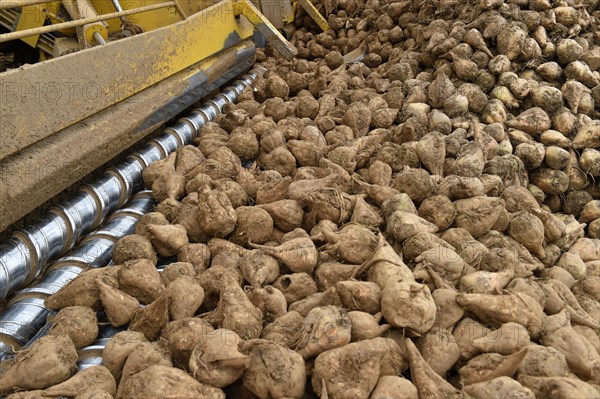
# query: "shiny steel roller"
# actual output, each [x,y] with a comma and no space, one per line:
[25,254]
[26,314]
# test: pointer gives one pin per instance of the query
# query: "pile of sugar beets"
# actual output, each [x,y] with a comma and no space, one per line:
[424,223]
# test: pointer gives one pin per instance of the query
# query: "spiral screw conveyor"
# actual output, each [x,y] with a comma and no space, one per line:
[26,254]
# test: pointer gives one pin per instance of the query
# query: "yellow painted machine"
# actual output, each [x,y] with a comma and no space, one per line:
[53,27]
[113,72]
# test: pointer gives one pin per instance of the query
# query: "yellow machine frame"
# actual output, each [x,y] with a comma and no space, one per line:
[35,16]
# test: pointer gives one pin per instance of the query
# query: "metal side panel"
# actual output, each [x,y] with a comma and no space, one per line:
[38,100]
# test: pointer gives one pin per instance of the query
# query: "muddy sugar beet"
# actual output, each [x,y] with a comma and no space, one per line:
[420,223]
